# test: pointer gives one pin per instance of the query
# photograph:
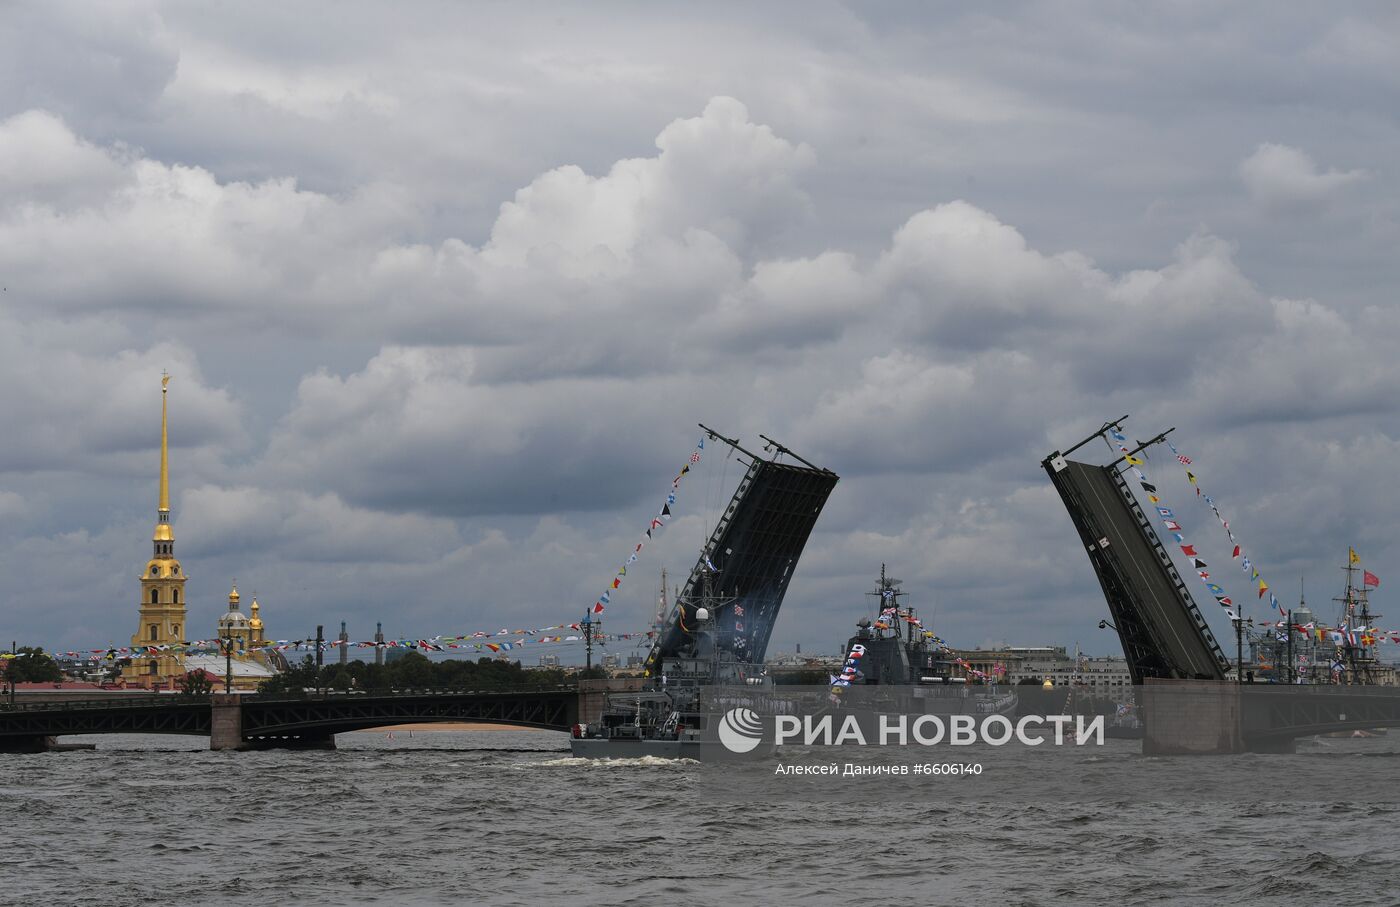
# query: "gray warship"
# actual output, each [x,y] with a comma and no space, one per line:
[708,653]
[672,716]
[909,668]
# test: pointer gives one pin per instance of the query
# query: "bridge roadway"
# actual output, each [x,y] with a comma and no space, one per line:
[1181,716]
[256,721]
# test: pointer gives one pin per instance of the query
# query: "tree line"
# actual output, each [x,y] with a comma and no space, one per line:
[32,665]
[415,671]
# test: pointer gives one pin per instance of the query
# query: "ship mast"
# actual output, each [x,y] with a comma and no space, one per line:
[1355,607]
[1363,613]
[659,623]
[887,594]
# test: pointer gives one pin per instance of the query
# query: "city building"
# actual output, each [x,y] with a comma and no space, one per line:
[161,625]
[246,661]
[233,627]
[162,633]
[1103,676]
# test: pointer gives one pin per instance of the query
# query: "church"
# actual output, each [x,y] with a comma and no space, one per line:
[251,664]
[162,628]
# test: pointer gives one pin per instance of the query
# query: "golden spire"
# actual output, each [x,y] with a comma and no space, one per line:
[233,596]
[164,447]
[163,533]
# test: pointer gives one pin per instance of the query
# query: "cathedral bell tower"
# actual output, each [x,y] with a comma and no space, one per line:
[162,624]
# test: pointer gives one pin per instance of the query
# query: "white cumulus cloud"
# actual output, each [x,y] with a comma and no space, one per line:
[1280,174]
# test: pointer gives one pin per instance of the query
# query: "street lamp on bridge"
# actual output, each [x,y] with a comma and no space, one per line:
[10,670]
[588,640]
[226,643]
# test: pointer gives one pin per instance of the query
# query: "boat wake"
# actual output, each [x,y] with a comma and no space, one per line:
[629,762]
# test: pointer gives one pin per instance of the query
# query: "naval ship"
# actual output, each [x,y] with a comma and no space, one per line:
[897,665]
[707,658]
[672,716]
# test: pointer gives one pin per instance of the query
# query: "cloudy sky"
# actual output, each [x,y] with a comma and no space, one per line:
[445,289]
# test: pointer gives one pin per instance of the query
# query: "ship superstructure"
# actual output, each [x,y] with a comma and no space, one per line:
[909,667]
[898,648]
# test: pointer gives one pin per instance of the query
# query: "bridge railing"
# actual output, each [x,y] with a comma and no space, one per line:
[48,705]
[133,702]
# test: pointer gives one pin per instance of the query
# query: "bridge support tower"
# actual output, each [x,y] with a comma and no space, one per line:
[1200,718]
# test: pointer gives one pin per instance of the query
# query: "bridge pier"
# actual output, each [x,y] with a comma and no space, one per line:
[28,744]
[226,722]
[593,695]
[1188,718]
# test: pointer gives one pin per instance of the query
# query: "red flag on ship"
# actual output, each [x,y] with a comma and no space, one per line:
[1370,579]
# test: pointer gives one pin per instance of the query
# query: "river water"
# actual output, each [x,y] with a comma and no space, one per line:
[507,817]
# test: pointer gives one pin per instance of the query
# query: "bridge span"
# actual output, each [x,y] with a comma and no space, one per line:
[1178,670]
[310,721]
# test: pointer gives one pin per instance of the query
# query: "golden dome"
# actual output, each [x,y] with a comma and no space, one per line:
[233,595]
[163,533]
[255,622]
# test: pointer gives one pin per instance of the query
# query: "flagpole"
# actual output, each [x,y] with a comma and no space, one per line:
[1289,618]
[1116,424]
[732,442]
[1145,444]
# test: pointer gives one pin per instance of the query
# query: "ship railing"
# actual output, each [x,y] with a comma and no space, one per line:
[987,707]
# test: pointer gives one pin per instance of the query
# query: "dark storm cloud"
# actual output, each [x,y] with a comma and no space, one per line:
[445,293]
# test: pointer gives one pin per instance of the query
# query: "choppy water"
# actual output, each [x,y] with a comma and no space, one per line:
[506,817]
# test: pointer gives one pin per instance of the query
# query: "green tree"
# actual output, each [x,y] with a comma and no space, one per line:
[295,680]
[33,665]
[195,684]
[376,677]
[409,669]
[413,670]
